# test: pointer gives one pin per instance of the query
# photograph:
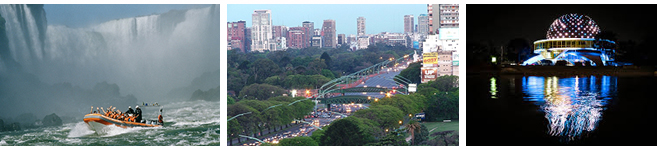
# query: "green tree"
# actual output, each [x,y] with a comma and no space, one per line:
[262,69]
[248,122]
[393,138]
[231,100]
[316,66]
[327,59]
[443,83]
[412,72]
[406,103]
[234,129]
[298,141]
[421,135]
[386,116]
[413,127]
[327,73]
[344,132]
[317,134]
[261,91]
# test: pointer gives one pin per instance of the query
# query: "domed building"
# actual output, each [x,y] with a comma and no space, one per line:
[571,40]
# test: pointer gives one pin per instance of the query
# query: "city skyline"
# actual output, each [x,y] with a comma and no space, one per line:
[346,19]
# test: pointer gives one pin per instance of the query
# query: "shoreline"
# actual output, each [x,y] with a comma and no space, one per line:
[565,70]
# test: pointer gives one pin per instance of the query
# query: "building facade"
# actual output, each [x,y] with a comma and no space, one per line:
[310,26]
[236,35]
[316,41]
[342,39]
[423,24]
[261,30]
[329,38]
[408,24]
[360,24]
[297,38]
[448,15]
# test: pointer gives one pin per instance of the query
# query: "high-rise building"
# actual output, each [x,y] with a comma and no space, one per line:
[328,34]
[279,31]
[432,28]
[342,39]
[423,24]
[297,38]
[449,15]
[361,26]
[247,39]
[261,30]
[408,24]
[310,32]
[236,35]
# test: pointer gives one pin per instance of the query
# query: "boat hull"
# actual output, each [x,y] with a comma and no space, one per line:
[98,122]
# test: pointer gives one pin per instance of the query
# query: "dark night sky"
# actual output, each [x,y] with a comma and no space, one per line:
[501,23]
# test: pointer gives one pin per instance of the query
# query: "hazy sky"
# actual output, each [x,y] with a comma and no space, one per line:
[379,17]
[83,15]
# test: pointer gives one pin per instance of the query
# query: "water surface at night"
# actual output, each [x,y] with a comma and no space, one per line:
[567,110]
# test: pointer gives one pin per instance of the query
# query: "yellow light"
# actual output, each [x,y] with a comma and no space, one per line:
[400,122]
[410,115]
[307,91]
[369,97]
[386,130]
[376,99]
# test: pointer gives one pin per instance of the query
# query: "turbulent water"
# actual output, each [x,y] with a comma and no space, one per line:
[186,123]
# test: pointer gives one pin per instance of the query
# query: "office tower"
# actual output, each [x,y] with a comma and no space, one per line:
[328,34]
[361,26]
[261,30]
[408,24]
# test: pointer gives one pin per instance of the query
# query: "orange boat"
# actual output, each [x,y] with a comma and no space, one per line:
[98,121]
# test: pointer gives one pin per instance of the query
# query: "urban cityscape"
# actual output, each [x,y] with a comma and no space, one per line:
[378,79]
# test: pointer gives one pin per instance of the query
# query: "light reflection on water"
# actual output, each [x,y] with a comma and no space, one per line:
[573,105]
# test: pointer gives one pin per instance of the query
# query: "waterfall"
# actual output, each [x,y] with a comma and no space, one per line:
[149,54]
[25,38]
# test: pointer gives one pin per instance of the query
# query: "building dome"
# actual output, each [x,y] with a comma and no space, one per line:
[573,26]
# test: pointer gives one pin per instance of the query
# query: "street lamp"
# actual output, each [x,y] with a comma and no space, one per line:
[400,122]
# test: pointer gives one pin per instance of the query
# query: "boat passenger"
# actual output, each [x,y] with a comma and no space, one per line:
[160,119]
[130,111]
[138,112]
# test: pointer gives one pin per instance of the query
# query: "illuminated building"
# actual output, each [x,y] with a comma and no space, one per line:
[571,41]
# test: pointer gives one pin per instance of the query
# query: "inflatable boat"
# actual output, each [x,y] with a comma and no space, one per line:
[99,121]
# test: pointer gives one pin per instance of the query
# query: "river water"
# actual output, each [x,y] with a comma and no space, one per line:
[561,110]
[186,123]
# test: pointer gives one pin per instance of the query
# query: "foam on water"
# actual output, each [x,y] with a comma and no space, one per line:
[193,123]
[80,129]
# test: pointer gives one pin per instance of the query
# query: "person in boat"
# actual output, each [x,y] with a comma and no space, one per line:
[138,112]
[130,111]
[160,119]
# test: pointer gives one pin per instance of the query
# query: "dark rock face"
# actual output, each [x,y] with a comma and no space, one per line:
[12,127]
[52,120]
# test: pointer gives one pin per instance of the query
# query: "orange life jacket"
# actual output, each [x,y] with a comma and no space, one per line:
[159,118]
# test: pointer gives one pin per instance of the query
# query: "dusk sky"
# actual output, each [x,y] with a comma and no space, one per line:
[379,17]
[84,15]
[501,23]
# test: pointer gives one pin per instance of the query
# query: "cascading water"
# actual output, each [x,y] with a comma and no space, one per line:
[146,56]
[136,53]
